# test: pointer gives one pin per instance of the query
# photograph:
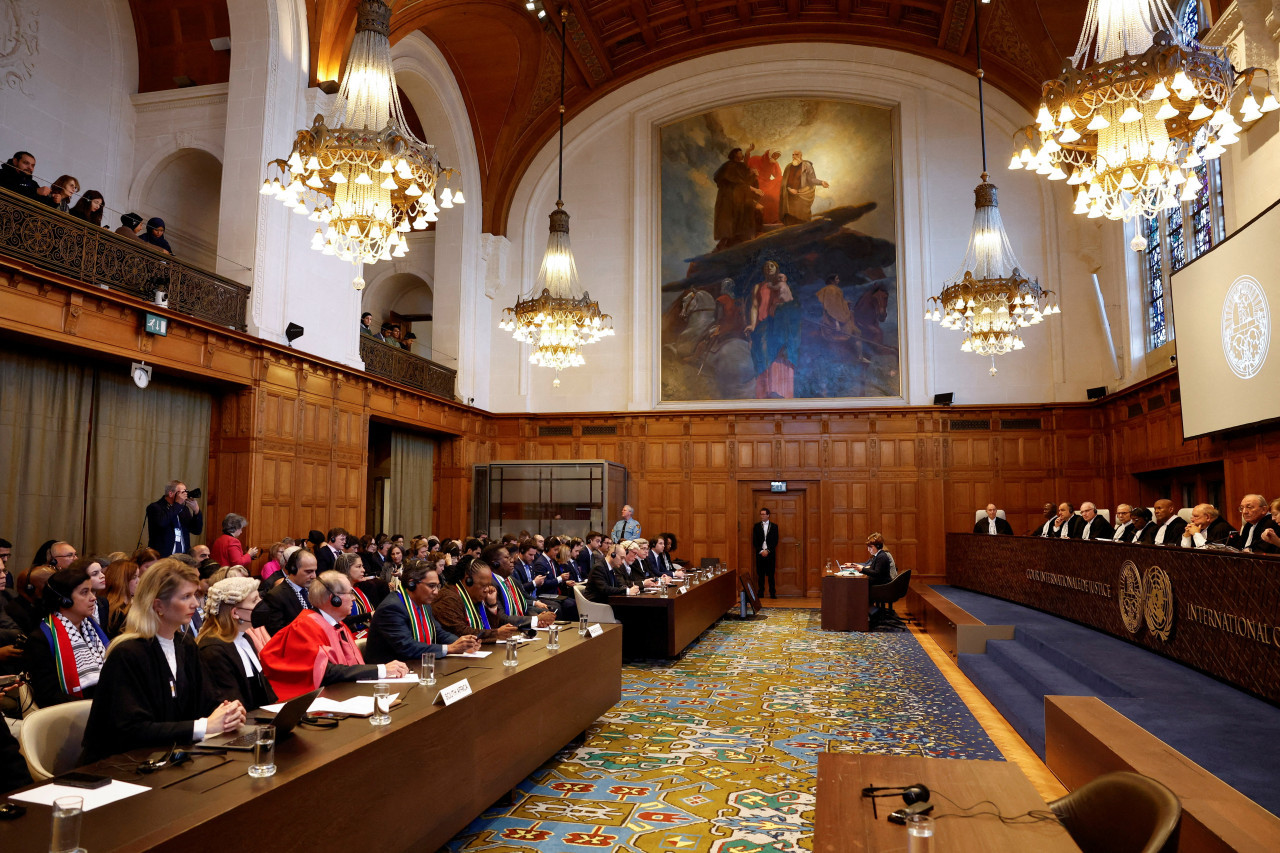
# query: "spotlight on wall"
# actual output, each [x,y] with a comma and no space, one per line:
[292,332]
[141,374]
[329,87]
[943,399]
[223,43]
[1097,393]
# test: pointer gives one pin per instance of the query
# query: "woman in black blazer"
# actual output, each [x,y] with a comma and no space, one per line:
[152,691]
[229,645]
[880,568]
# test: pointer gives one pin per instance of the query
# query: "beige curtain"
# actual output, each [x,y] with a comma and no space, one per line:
[143,438]
[412,469]
[44,440]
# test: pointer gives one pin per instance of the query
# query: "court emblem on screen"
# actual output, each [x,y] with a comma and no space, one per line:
[1158,594]
[1246,327]
[1131,599]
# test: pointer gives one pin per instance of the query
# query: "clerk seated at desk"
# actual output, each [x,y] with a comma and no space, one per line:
[316,649]
[470,608]
[152,691]
[403,627]
[880,568]
[611,578]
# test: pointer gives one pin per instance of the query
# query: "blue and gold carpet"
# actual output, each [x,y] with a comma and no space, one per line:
[717,752]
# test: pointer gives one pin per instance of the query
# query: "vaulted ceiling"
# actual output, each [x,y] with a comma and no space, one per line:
[506,61]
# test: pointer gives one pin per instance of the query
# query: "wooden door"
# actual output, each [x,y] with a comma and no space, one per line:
[787,511]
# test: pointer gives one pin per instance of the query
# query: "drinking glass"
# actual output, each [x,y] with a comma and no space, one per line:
[919,834]
[582,626]
[66,825]
[428,674]
[381,705]
[553,637]
[512,645]
[264,753]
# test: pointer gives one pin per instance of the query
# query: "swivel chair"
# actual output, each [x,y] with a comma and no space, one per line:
[885,595]
[51,737]
[594,612]
[1121,813]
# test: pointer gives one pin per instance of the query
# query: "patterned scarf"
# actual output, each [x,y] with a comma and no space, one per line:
[78,653]
[476,616]
[419,621]
[360,604]
[513,600]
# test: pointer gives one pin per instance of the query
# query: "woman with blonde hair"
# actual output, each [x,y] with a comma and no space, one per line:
[152,691]
[229,646]
[122,584]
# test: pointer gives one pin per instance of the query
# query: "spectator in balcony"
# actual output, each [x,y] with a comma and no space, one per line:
[61,191]
[89,207]
[366,324]
[384,333]
[155,235]
[407,343]
[16,176]
[130,226]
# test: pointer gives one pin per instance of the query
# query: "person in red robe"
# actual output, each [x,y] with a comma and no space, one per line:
[769,176]
[316,649]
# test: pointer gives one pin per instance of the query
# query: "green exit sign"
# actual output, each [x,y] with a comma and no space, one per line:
[157,325]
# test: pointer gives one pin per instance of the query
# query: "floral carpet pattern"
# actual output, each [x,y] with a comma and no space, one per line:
[716,752]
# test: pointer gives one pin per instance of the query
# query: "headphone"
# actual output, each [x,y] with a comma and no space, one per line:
[291,564]
[58,600]
[411,584]
[334,598]
[911,794]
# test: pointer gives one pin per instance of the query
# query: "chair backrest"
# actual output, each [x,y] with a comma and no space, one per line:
[980,514]
[361,643]
[709,562]
[1121,813]
[51,738]
[887,593]
[1185,514]
[1105,513]
[594,612]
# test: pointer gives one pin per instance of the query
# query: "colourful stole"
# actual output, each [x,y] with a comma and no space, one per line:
[64,657]
[360,604]
[512,597]
[476,616]
[423,630]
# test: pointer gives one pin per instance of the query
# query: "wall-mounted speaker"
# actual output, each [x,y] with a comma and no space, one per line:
[943,399]
[1097,393]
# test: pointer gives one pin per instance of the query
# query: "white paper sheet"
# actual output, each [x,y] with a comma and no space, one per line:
[360,706]
[411,678]
[471,655]
[93,797]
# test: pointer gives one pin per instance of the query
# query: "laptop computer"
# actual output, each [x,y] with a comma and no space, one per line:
[285,720]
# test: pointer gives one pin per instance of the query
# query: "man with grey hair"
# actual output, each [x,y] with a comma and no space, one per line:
[1255,520]
[1124,524]
[1207,527]
[173,520]
[1095,526]
[626,527]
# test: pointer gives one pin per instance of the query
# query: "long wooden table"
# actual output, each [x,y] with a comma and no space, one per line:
[846,604]
[411,785]
[844,822]
[658,627]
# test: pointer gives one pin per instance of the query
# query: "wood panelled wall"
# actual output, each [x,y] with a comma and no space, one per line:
[289,446]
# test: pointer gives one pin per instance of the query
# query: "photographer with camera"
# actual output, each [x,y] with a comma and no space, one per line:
[173,520]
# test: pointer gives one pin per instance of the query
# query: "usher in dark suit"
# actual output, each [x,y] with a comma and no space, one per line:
[765,565]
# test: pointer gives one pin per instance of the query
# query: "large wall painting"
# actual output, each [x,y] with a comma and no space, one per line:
[779,249]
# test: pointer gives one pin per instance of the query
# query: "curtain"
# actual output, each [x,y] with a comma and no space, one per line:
[412,469]
[44,440]
[142,439]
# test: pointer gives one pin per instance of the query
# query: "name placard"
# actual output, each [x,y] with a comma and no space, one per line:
[594,630]
[453,693]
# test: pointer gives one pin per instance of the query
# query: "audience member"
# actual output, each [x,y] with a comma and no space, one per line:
[154,235]
[64,660]
[229,645]
[462,609]
[173,520]
[16,176]
[287,600]
[146,558]
[316,648]
[1255,523]
[61,191]
[123,577]
[1095,526]
[393,565]
[227,550]
[130,226]
[367,593]
[95,568]
[1207,527]
[608,578]
[152,691]
[89,207]
[334,542]
[24,607]
[275,557]
[993,524]
[366,324]
[403,626]
[201,552]
[223,572]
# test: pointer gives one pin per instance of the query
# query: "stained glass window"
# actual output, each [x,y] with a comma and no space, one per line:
[1189,18]
[1154,285]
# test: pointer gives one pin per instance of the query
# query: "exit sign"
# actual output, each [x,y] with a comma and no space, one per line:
[778,486]
[157,325]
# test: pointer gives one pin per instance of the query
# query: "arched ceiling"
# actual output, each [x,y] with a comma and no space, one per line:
[506,61]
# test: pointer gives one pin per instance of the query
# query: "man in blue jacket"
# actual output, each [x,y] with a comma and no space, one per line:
[403,628]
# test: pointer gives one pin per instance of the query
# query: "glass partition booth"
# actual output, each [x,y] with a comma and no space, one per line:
[563,498]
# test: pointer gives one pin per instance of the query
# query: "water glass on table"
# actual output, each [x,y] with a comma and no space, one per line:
[264,753]
[381,705]
[553,637]
[582,626]
[512,654]
[66,825]
[920,833]
[428,674]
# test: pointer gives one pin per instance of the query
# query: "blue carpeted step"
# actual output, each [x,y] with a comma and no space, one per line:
[1023,711]
[1033,671]
[1079,667]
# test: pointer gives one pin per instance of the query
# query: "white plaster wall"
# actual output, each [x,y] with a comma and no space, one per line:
[610,191]
[66,98]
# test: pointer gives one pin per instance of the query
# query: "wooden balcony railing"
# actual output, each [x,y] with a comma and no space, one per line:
[391,362]
[54,241]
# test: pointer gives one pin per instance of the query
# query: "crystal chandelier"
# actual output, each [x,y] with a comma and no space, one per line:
[1135,110]
[989,299]
[361,175]
[551,318]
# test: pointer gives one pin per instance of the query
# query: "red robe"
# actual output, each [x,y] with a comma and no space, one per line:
[296,657]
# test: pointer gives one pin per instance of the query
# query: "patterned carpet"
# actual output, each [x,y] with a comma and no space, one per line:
[716,752]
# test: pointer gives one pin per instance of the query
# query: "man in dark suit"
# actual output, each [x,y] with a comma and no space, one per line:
[334,543]
[606,579]
[1140,522]
[1124,524]
[1095,526]
[1207,527]
[288,599]
[1256,522]
[396,633]
[173,520]
[1065,525]
[591,555]
[993,524]
[764,544]
[1166,527]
